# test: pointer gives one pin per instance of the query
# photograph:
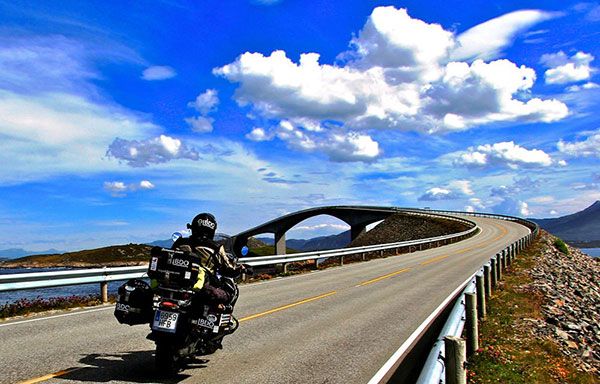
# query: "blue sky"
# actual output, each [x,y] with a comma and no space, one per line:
[119,122]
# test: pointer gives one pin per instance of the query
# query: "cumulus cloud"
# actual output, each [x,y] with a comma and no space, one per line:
[488,39]
[512,207]
[563,69]
[456,189]
[397,75]
[586,86]
[589,147]
[316,227]
[503,154]
[200,124]
[152,151]
[258,134]
[158,72]
[120,189]
[204,103]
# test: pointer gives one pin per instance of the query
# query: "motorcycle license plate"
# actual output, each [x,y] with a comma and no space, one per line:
[165,321]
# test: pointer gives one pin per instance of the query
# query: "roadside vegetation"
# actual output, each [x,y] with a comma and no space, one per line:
[24,307]
[511,351]
[561,246]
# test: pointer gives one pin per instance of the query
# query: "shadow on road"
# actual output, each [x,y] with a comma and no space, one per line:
[130,367]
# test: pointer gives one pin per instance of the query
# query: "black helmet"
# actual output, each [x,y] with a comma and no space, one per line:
[203,225]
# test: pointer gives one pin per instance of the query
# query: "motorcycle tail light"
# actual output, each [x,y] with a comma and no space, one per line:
[168,304]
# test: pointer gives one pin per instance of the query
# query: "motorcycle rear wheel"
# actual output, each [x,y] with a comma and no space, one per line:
[167,360]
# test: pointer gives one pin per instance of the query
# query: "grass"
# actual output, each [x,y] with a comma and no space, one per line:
[25,307]
[561,246]
[509,353]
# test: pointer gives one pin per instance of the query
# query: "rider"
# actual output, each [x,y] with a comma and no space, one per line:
[213,259]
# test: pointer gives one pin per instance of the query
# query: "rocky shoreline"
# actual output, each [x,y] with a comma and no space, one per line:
[570,286]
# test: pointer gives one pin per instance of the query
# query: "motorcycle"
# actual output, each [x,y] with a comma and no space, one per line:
[183,323]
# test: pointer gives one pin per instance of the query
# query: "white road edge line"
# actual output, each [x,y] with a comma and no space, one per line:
[384,370]
[56,316]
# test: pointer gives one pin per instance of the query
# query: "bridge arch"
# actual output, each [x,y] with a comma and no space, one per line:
[356,217]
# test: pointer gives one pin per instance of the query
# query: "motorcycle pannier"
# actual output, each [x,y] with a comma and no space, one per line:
[134,305]
[174,268]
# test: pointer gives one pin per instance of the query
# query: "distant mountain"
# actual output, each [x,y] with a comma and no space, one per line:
[13,253]
[315,244]
[578,228]
[161,243]
[219,237]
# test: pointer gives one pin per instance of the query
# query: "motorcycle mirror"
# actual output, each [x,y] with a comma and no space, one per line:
[245,250]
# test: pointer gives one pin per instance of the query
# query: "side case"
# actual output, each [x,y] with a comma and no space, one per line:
[134,304]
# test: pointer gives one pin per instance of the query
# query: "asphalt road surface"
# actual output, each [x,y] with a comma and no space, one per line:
[338,325]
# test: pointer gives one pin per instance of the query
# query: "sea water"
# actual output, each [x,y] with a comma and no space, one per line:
[46,293]
[594,252]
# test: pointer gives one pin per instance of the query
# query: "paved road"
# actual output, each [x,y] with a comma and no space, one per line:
[338,325]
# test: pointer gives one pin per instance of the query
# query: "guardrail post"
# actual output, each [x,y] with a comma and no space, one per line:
[480,296]
[104,291]
[508,260]
[494,273]
[471,323]
[364,256]
[455,353]
[499,266]
[243,277]
[487,281]
[285,267]
[341,260]
[504,261]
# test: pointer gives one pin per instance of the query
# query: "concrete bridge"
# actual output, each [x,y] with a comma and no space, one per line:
[357,217]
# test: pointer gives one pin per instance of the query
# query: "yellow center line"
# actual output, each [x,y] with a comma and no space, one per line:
[382,277]
[51,376]
[435,259]
[287,306]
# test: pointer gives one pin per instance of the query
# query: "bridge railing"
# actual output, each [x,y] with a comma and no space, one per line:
[23,281]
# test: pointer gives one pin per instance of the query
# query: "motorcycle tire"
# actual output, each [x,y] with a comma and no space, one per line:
[167,360]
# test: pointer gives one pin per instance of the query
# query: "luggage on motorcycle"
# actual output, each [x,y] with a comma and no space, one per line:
[134,305]
[173,267]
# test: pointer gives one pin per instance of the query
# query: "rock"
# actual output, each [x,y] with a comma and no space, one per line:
[562,334]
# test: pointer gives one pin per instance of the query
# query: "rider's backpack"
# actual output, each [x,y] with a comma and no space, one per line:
[134,304]
[173,267]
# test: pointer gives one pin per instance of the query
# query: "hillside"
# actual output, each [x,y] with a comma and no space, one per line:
[315,244]
[117,255]
[580,228]
[402,227]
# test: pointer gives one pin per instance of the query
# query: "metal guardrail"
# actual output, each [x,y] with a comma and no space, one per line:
[433,371]
[22,281]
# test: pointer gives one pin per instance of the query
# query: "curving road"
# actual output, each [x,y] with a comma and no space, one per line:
[338,325]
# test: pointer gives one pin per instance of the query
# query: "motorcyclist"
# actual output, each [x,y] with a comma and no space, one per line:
[213,259]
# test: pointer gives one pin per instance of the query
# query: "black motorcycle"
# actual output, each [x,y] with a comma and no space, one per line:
[183,323]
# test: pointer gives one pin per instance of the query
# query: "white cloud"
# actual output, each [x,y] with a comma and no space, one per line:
[205,102]
[120,189]
[200,124]
[565,70]
[258,134]
[152,151]
[542,199]
[456,189]
[503,154]
[158,72]
[341,227]
[512,207]
[589,147]
[397,76]
[145,184]
[488,39]
[586,86]
[336,144]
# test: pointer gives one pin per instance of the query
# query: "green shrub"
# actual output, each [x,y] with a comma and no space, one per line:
[561,246]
